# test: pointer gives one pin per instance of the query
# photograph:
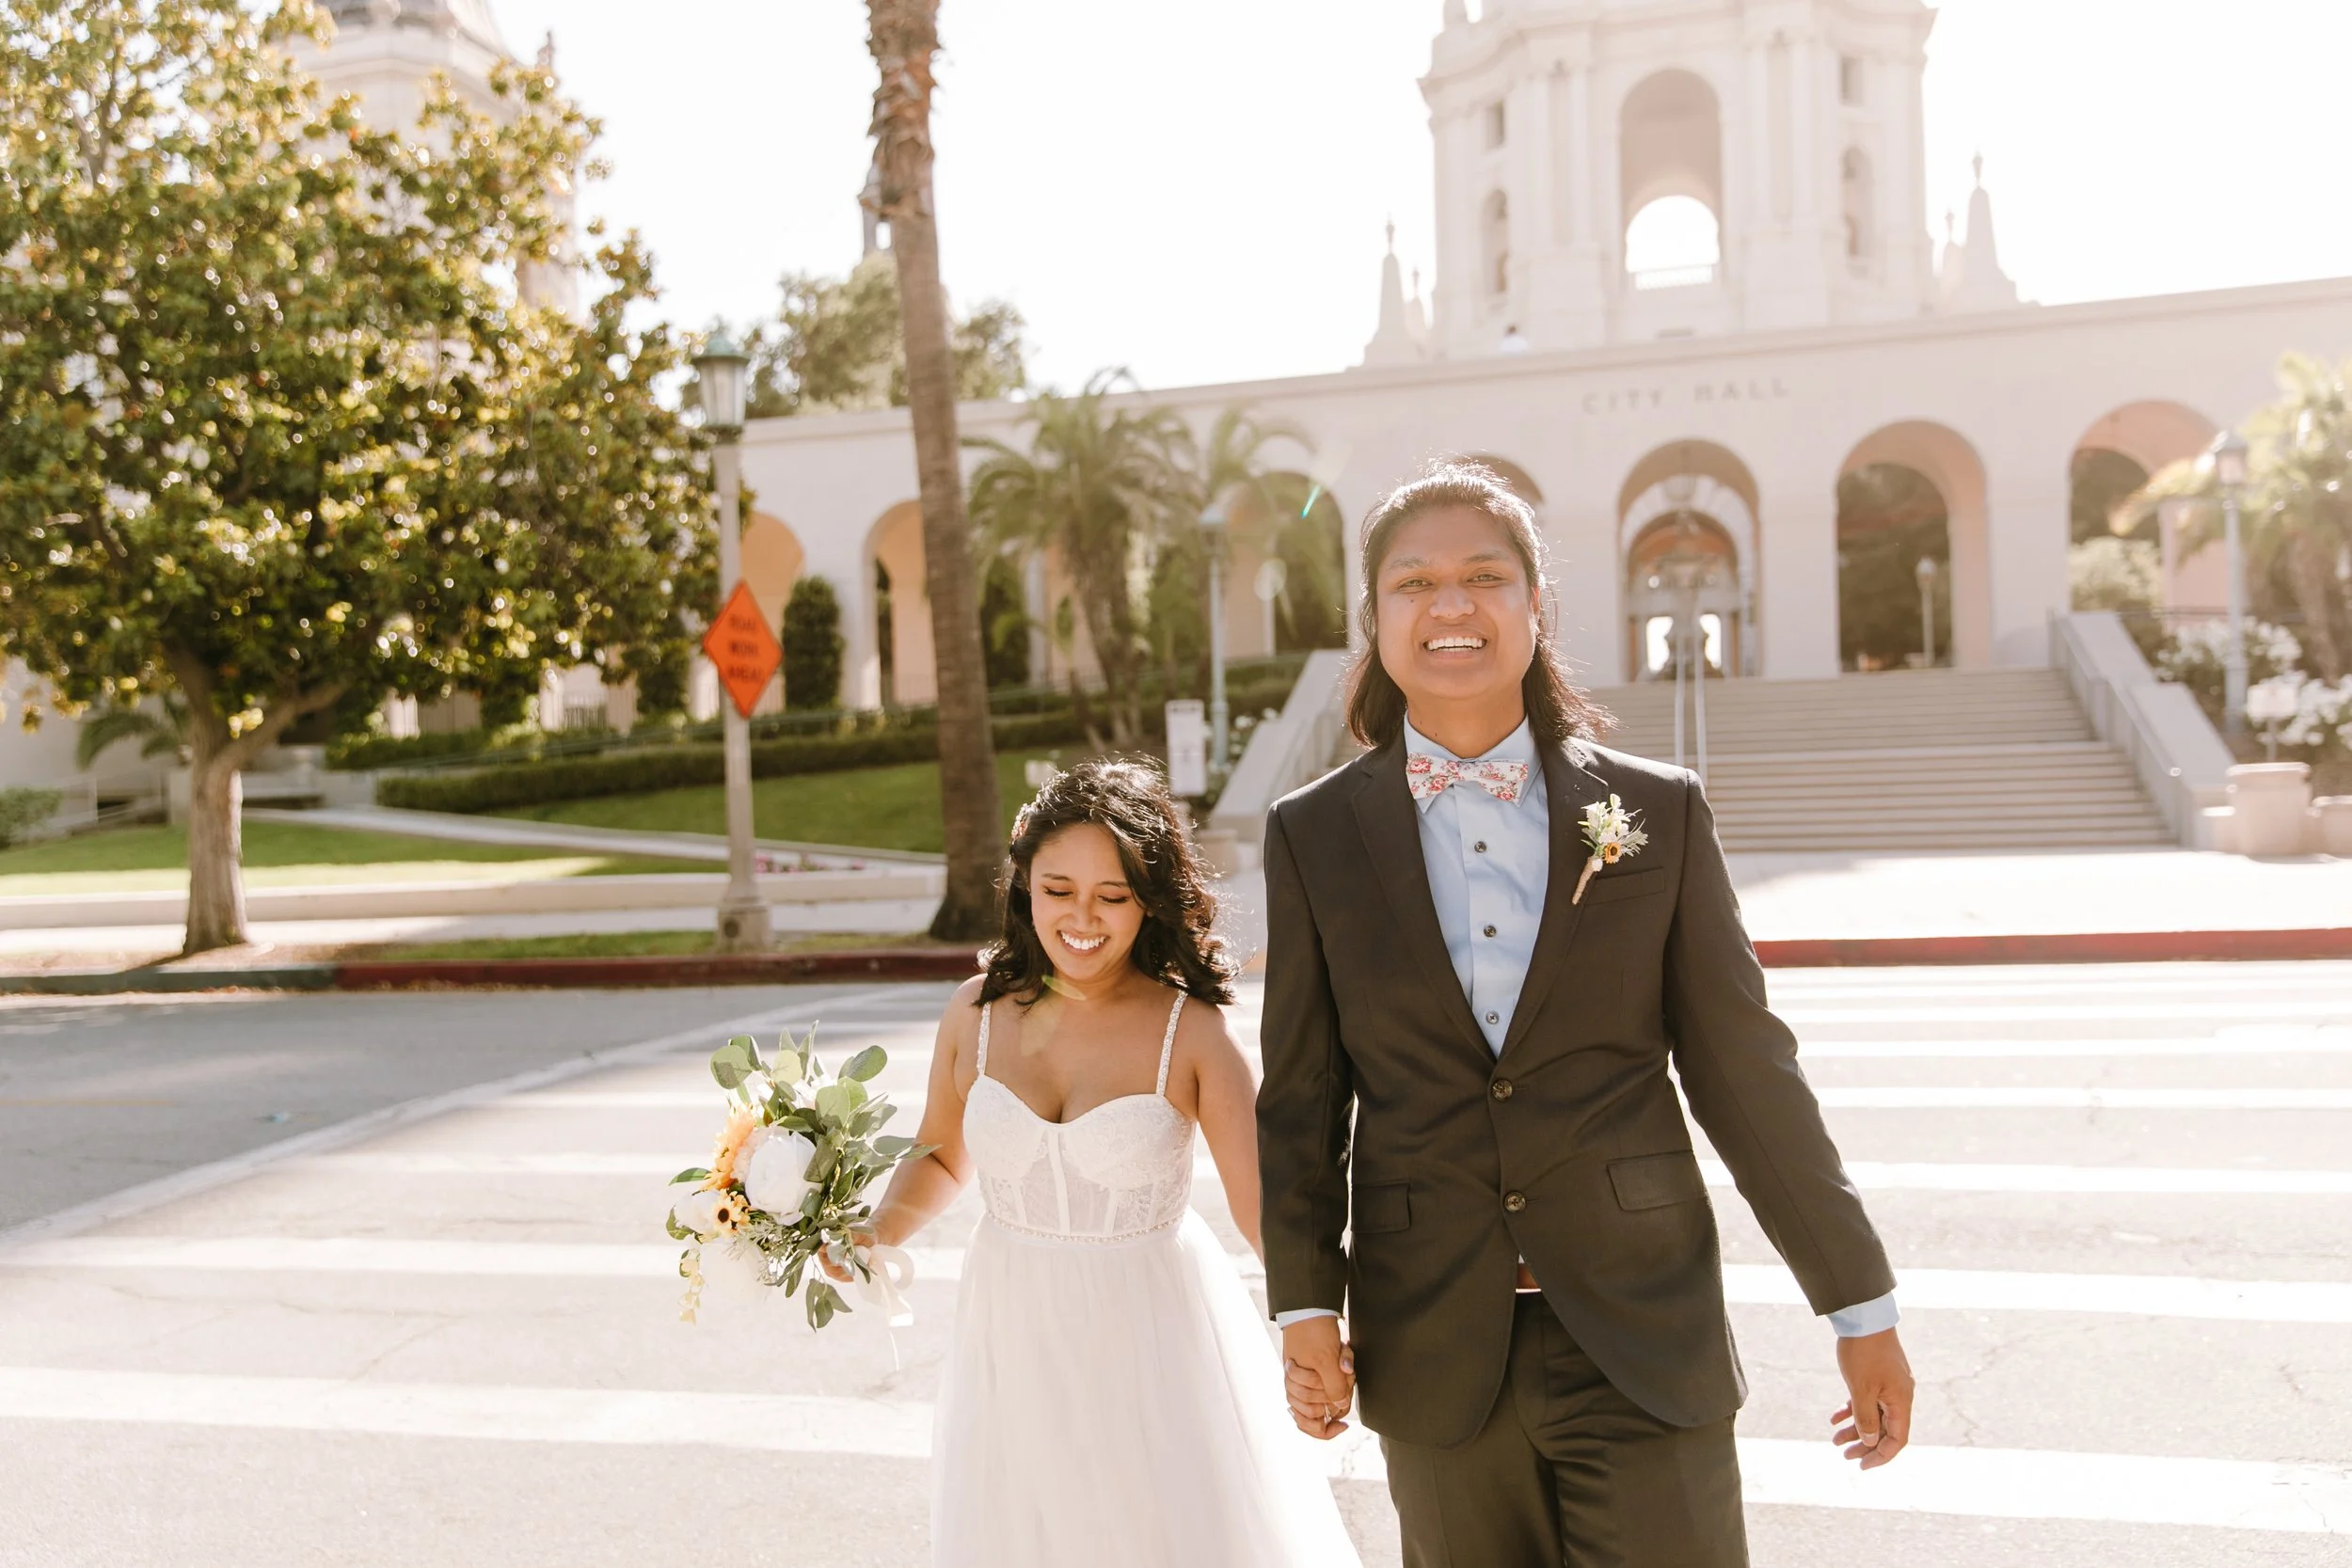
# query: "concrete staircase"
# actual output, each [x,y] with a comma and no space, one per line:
[1920,759]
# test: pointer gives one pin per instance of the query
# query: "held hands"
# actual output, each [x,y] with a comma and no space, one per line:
[1319,1376]
[1874,1423]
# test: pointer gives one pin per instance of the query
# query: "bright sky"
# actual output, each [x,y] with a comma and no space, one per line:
[1196,188]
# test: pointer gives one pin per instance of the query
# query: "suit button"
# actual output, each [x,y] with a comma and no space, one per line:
[1513,1202]
[1501,1088]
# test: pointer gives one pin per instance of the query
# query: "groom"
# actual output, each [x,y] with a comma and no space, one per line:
[1470,1140]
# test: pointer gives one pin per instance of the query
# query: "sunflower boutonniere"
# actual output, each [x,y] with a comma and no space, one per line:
[1611,833]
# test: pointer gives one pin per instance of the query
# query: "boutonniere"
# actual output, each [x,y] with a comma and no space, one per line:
[1611,833]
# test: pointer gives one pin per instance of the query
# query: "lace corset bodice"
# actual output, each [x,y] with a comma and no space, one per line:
[1121,1170]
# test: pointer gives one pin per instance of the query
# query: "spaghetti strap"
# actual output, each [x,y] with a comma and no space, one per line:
[1168,1044]
[981,1070]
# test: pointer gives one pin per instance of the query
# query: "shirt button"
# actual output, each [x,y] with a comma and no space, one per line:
[1490,930]
[1494,1018]
[1501,1088]
[1513,1202]
[1479,846]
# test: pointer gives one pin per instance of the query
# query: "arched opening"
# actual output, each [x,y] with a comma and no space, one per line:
[1672,243]
[1297,582]
[1909,494]
[1689,550]
[1495,227]
[1858,201]
[772,563]
[1522,484]
[2128,559]
[901,610]
[1682,598]
[1671,145]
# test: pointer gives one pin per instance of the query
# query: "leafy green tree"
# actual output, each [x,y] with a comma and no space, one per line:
[812,645]
[1005,625]
[903,37]
[275,429]
[836,344]
[1889,518]
[1103,486]
[2296,512]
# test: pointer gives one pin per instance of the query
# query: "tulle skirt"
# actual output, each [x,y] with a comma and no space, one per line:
[1120,1406]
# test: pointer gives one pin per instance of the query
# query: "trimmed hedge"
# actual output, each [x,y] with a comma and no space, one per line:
[640,771]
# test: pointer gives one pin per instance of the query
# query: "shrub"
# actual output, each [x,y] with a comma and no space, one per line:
[22,808]
[688,765]
[812,645]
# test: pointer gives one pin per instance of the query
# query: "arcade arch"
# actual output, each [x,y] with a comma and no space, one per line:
[774,560]
[1669,141]
[2118,452]
[1690,551]
[1522,484]
[1910,491]
[902,623]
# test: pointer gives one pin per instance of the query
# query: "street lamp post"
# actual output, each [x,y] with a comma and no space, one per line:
[743,925]
[1926,573]
[2229,471]
[1213,523]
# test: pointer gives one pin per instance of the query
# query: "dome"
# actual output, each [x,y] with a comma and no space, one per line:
[470,17]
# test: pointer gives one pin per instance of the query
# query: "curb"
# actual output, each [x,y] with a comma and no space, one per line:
[933,963]
[715,969]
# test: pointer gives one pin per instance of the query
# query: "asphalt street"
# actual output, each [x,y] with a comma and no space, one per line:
[429,1316]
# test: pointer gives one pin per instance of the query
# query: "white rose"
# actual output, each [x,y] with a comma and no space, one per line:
[775,1178]
[699,1210]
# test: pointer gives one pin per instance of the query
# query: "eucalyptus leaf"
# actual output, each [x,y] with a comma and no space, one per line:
[834,1102]
[866,1064]
[892,1147]
[691,1173]
[734,1062]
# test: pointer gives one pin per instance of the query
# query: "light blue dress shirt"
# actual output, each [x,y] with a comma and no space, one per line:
[1489,864]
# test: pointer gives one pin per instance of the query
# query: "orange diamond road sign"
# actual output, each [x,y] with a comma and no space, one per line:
[744,650]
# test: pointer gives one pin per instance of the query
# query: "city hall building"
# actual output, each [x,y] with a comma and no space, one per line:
[1680,421]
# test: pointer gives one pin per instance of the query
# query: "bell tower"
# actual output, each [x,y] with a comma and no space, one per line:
[1614,171]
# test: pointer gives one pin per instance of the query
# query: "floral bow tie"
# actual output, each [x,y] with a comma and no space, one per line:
[1428,777]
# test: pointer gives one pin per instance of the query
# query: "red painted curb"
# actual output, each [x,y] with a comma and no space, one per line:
[2058,947]
[714,968]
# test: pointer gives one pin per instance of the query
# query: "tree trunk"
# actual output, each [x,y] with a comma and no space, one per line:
[903,36]
[216,855]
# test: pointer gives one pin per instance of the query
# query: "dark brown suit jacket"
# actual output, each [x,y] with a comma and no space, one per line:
[1569,1149]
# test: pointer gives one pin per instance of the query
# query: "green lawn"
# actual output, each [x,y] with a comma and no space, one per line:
[874,808]
[291,854]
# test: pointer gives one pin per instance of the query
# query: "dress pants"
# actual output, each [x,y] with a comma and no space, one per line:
[1570,1473]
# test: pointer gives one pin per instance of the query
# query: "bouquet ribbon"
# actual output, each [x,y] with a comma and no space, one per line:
[889,1272]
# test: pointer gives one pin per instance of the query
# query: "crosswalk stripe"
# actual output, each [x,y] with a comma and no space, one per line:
[1867,1174]
[1884,1176]
[1744,1284]
[2015,1483]
[2066,1098]
[2333,1010]
[2273,1040]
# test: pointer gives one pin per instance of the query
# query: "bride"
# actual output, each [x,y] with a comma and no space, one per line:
[1111,1398]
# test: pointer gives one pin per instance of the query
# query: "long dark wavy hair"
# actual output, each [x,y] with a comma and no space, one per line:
[1557,712]
[1130,801]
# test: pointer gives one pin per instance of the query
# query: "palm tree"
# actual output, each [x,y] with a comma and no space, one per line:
[159,734]
[903,37]
[1102,488]
[1284,513]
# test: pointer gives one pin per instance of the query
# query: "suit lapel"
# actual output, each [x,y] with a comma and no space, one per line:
[1390,825]
[1568,787]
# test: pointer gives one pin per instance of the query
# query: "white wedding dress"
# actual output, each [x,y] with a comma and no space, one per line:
[1111,1398]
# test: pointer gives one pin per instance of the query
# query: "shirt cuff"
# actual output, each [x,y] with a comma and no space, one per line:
[1301,1314]
[1869,1317]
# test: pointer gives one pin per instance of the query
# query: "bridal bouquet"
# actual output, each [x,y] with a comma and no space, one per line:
[785,1187]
